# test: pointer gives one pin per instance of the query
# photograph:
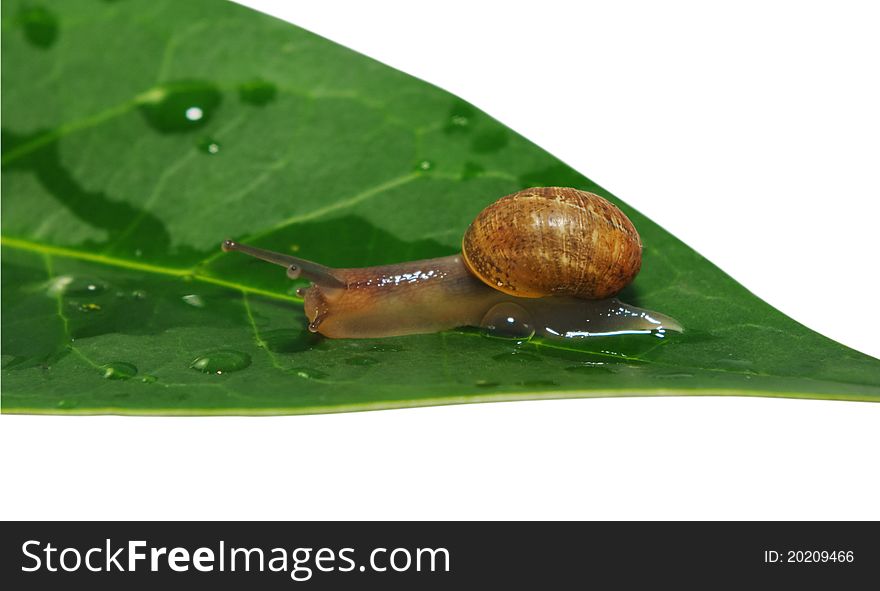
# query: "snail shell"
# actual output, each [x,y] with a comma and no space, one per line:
[553,241]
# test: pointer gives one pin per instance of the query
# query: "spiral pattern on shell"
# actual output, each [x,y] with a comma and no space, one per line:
[553,241]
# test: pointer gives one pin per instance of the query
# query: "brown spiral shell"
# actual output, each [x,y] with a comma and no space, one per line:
[553,241]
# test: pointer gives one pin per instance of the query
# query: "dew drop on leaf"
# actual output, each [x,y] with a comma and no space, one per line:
[309,373]
[76,286]
[194,300]
[471,170]
[180,106]
[86,287]
[257,92]
[40,26]
[220,361]
[460,118]
[489,141]
[507,321]
[119,370]
[209,146]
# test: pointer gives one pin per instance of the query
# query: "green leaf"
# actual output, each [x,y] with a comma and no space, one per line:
[137,135]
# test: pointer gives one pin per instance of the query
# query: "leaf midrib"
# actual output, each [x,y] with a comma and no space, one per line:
[26,245]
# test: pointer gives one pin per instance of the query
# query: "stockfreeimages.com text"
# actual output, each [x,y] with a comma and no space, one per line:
[300,563]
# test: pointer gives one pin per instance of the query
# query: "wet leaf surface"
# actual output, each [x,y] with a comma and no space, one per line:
[137,135]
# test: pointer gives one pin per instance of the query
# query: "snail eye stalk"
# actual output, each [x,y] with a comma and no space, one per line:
[296,267]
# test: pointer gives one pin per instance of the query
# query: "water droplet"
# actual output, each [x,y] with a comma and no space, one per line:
[138,252]
[489,141]
[507,321]
[135,294]
[486,384]
[309,373]
[425,165]
[119,370]
[89,307]
[76,286]
[471,170]
[361,360]
[257,92]
[57,285]
[287,340]
[460,118]
[180,106]
[209,146]
[220,361]
[66,404]
[87,287]
[149,379]
[40,26]
[194,300]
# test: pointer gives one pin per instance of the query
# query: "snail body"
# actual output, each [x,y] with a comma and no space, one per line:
[540,261]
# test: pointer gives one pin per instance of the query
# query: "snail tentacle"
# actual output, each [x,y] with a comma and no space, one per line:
[296,267]
[316,323]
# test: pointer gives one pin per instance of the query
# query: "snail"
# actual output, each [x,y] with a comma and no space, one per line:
[545,260]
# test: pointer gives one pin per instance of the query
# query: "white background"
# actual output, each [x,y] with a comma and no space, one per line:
[751,131]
